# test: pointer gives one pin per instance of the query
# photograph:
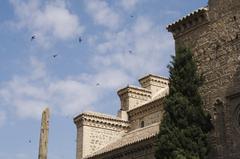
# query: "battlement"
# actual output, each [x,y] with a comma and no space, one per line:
[189,22]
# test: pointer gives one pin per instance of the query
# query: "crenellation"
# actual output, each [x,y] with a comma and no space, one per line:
[215,46]
[212,33]
[189,22]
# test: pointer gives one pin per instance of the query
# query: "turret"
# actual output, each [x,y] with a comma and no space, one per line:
[188,23]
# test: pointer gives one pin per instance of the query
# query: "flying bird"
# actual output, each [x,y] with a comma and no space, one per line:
[80,39]
[130,52]
[98,84]
[33,37]
[29,141]
[131,16]
[54,56]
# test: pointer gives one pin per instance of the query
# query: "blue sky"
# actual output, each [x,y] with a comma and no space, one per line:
[122,40]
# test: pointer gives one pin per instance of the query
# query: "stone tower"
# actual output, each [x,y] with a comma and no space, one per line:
[213,35]
[43,143]
[218,8]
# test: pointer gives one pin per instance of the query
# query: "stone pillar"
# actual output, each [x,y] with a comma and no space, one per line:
[43,143]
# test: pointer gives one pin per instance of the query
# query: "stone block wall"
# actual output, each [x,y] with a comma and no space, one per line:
[96,131]
[131,97]
[146,115]
[215,44]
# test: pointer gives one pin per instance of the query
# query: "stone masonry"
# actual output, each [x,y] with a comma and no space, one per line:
[131,134]
[43,142]
[213,35]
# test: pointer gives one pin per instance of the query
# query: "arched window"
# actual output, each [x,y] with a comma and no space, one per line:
[142,124]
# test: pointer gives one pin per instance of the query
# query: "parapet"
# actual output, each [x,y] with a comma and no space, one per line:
[96,130]
[189,22]
[154,83]
[132,96]
[100,120]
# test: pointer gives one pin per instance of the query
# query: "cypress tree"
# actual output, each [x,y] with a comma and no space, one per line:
[185,126]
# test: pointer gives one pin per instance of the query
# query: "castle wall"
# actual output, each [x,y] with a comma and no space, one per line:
[96,138]
[95,132]
[146,115]
[216,48]
[131,97]
[141,150]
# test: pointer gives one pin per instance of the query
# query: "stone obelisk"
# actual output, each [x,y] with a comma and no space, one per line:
[43,143]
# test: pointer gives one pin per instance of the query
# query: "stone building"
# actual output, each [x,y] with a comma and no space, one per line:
[213,35]
[132,133]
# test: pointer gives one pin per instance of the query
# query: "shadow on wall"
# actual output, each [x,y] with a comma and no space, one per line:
[233,109]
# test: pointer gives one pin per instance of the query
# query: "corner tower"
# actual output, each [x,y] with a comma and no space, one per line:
[213,35]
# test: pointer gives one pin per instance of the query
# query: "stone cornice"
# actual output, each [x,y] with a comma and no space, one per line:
[143,144]
[135,90]
[86,119]
[154,76]
[192,20]
[146,107]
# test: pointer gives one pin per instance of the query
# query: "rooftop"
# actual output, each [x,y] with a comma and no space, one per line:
[132,137]
[99,115]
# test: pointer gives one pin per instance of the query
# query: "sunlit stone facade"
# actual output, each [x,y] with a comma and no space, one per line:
[213,35]
[132,132]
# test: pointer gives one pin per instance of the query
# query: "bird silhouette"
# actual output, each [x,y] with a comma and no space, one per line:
[80,39]
[131,16]
[98,84]
[33,37]
[130,51]
[29,141]
[54,56]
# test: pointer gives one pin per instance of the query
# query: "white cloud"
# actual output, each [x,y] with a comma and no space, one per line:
[48,20]
[28,94]
[22,156]
[119,57]
[14,155]
[102,13]
[2,118]
[112,78]
[138,49]
[128,4]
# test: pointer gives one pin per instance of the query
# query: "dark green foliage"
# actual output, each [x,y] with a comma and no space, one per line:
[185,126]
